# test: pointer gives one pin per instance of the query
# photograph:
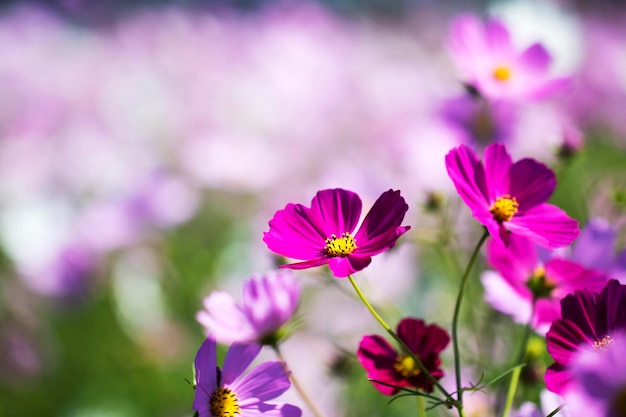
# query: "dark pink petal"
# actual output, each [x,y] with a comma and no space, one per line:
[546,225]
[581,308]
[557,378]
[379,230]
[536,59]
[468,175]
[531,183]
[238,358]
[570,276]
[296,232]
[206,375]
[377,356]
[564,340]
[341,267]
[412,331]
[497,165]
[614,303]
[339,210]
[308,264]
[265,382]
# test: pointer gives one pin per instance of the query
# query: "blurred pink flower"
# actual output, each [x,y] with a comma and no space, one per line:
[268,303]
[485,54]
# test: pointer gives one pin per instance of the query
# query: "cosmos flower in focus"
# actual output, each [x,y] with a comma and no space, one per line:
[589,320]
[398,369]
[324,233]
[268,303]
[521,279]
[510,197]
[225,392]
[485,53]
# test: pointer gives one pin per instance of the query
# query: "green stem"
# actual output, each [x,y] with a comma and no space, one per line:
[510,396]
[387,328]
[455,318]
[303,395]
[421,407]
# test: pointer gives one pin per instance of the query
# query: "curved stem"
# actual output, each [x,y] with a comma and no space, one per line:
[455,318]
[385,326]
[421,407]
[303,395]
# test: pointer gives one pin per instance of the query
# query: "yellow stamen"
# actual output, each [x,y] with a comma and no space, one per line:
[502,73]
[340,246]
[406,366]
[224,403]
[504,208]
[603,345]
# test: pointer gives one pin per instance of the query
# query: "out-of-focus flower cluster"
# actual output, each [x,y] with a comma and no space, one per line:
[141,158]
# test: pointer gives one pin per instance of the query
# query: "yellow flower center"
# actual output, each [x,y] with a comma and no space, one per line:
[504,208]
[603,345]
[224,403]
[502,73]
[340,246]
[540,285]
[406,366]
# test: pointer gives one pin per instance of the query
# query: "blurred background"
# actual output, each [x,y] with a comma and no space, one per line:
[144,145]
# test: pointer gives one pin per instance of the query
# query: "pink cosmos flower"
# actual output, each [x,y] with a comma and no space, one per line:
[324,233]
[268,303]
[225,392]
[589,319]
[510,197]
[383,363]
[521,279]
[491,63]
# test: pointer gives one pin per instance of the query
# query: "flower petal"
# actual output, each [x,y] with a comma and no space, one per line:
[546,225]
[536,59]
[225,319]
[468,175]
[206,374]
[265,382]
[271,410]
[341,267]
[377,356]
[296,232]
[338,209]
[497,165]
[381,227]
[238,358]
[531,183]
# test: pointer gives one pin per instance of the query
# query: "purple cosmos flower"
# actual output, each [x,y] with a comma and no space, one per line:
[323,233]
[601,378]
[225,392]
[589,319]
[521,279]
[510,197]
[492,64]
[268,303]
[383,363]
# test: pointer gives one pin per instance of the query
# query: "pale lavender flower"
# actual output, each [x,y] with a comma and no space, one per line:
[268,303]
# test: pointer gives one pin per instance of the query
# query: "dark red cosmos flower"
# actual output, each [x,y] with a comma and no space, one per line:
[398,369]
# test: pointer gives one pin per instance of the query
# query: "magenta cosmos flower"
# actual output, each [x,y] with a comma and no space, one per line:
[510,197]
[398,369]
[268,303]
[324,233]
[522,279]
[492,65]
[226,393]
[589,319]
